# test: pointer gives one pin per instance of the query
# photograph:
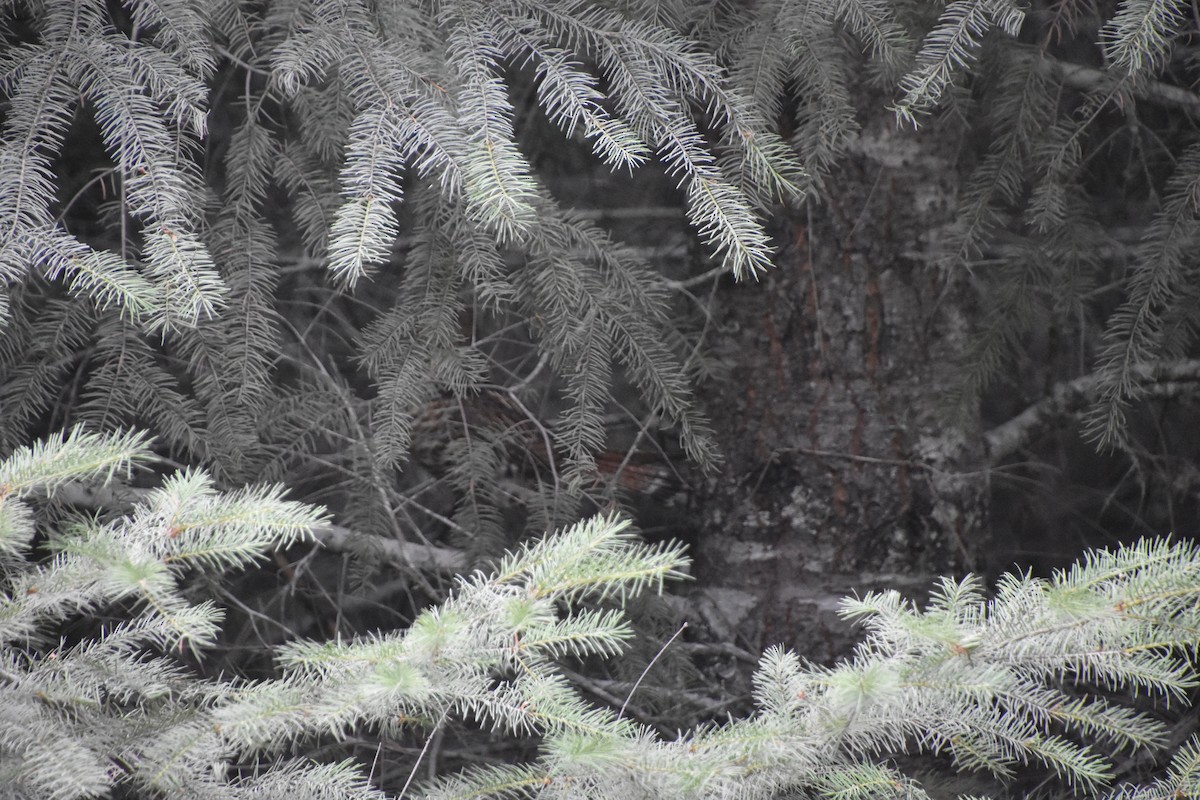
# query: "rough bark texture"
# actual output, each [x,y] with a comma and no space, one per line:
[843,472]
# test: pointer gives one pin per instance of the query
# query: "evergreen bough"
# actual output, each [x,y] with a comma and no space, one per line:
[143,283]
[149,276]
[145,294]
[1031,676]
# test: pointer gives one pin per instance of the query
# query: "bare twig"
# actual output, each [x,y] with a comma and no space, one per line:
[650,666]
[435,734]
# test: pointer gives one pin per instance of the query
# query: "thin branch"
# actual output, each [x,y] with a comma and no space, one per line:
[1087,79]
[1170,379]
[650,666]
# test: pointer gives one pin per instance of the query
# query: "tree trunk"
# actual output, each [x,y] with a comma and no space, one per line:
[843,471]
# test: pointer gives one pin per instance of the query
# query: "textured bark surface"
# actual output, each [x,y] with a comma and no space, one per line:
[842,471]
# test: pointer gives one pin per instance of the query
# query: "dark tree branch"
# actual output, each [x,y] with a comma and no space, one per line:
[1088,79]
[1170,379]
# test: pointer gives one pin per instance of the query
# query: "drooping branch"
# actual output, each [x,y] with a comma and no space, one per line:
[1164,380]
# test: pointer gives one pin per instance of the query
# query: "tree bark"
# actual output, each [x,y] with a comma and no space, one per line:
[843,471]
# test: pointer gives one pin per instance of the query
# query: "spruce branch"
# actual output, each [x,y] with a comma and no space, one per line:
[949,48]
[1140,328]
[365,226]
[105,278]
[987,681]
[972,677]
[1136,39]
[107,709]
[342,100]
[73,455]
[496,178]
[160,185]
[335,538]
